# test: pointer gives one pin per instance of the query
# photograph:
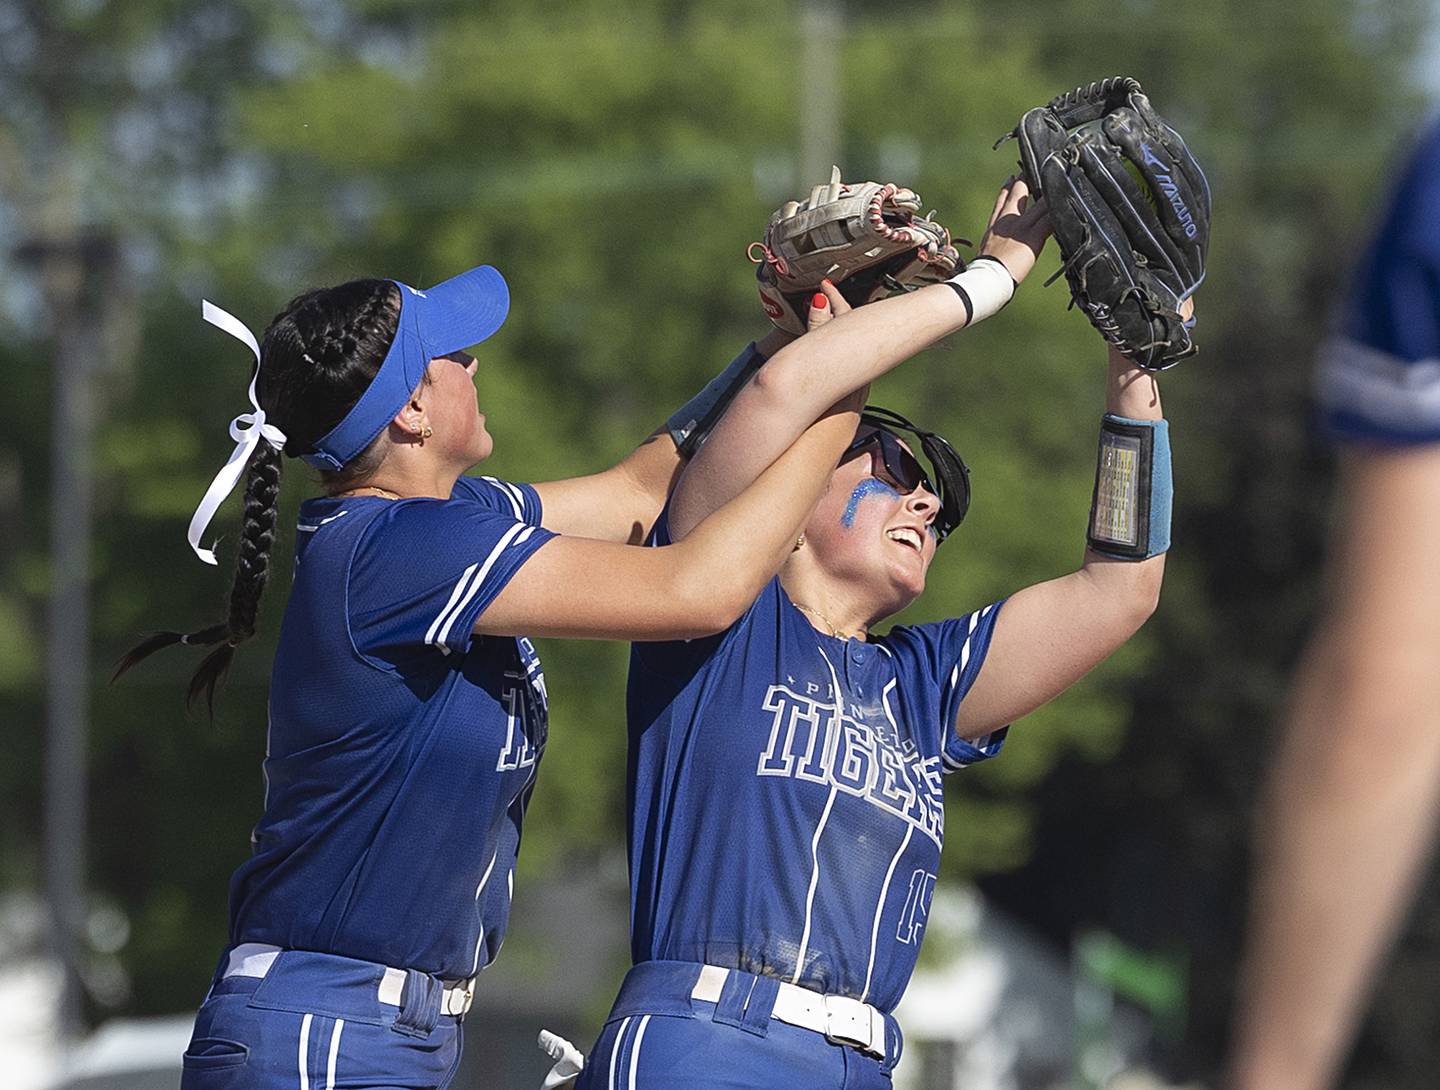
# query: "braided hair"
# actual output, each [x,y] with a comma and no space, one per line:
[318,356]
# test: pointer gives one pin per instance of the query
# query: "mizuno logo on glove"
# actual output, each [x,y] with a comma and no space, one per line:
[1171,190]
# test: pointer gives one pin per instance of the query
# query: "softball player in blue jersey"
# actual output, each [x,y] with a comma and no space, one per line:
[785,775]
[407,707]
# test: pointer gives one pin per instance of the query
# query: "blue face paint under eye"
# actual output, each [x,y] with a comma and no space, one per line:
[868,487]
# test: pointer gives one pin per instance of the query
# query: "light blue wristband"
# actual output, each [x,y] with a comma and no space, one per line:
[1131,505]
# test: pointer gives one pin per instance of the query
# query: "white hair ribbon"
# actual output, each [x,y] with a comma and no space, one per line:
[247,430]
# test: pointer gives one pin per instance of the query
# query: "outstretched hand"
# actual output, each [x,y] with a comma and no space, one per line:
[1018,229]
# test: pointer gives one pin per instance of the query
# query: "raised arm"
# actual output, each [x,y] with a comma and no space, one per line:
[578,587]
[802,379]
[1050,635]
[619,503]
[622,502]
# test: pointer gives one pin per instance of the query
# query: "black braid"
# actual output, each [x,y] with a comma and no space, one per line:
[252,572]
[320,354]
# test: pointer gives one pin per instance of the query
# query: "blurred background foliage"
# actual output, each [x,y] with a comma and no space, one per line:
[614,160]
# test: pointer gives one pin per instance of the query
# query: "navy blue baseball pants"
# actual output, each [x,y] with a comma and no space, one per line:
[658,1038]
[315,1022]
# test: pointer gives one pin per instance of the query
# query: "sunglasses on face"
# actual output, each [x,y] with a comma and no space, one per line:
[895,465]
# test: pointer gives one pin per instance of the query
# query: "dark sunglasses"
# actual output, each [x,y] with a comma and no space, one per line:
[902,469]
[896,466]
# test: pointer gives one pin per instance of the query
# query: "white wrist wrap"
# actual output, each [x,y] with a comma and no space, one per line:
[984,287]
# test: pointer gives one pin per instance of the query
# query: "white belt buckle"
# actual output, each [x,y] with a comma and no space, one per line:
[458,999]
[847,1022]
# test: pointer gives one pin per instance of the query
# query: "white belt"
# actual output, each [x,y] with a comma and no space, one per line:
[256,958]
[842,1020]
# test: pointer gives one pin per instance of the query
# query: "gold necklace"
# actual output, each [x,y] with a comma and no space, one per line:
[384,493]
[835,633]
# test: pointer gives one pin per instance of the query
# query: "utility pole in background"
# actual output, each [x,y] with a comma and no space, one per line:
[60,184]
[75,269]
[87,308]
[822,32]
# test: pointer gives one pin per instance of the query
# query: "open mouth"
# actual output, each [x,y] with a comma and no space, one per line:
[906,535]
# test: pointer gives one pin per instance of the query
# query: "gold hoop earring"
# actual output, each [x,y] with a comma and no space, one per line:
[426,431]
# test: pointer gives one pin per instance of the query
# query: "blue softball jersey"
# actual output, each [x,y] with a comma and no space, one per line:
[402,749]
[1379,376]
[785,789]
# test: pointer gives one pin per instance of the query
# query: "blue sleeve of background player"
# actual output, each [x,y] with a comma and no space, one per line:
[949,655]
[426,569]
[1379,375]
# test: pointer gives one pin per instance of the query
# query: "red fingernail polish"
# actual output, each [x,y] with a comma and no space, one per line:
[818,303]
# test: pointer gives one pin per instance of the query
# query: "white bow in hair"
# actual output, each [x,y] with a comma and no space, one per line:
[247,430]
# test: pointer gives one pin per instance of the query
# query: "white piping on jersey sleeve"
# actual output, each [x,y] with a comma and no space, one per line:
[454,597]
[311,527]
[511,493]
[964,651]
[459,598]
[984,742]
[1383,389]
[947,728]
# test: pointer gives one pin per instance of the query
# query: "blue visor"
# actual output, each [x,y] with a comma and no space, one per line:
[464,310]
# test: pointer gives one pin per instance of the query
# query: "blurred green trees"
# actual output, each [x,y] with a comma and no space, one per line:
[614,161]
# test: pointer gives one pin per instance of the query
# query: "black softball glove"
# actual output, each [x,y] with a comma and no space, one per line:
[1130,210]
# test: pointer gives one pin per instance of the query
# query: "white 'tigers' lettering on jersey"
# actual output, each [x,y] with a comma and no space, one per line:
[814,740]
